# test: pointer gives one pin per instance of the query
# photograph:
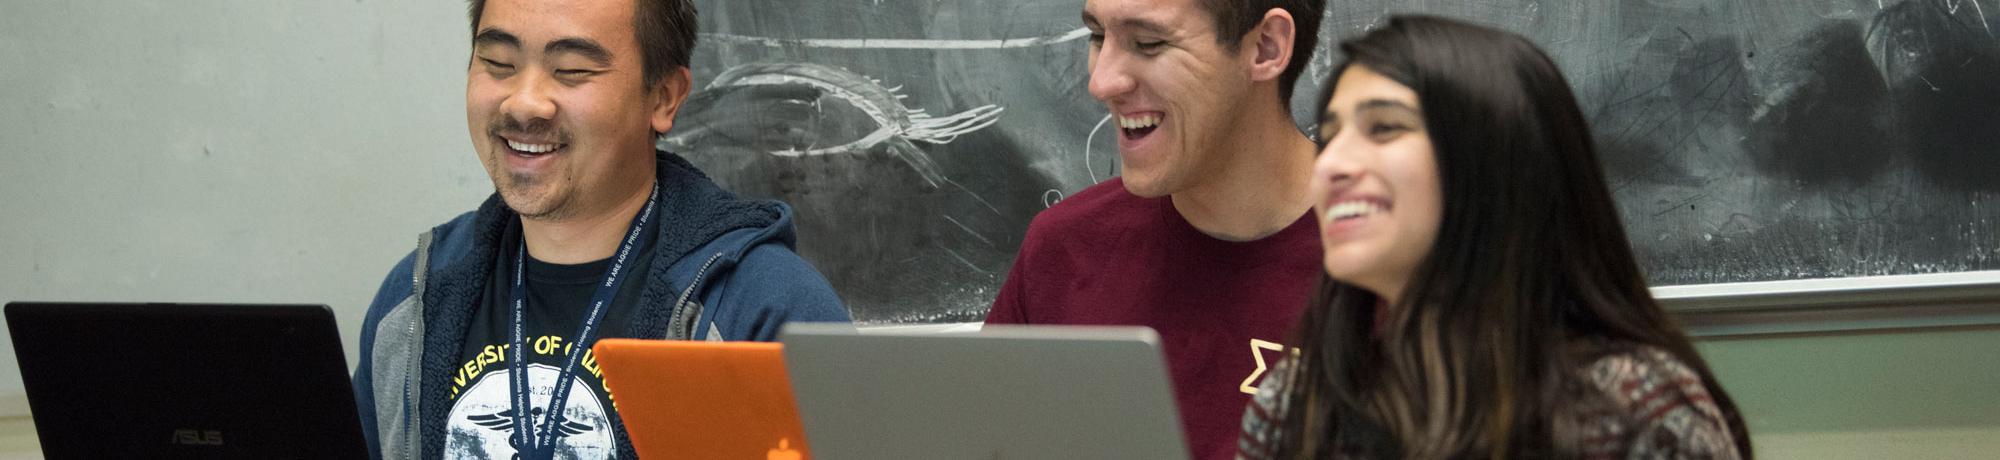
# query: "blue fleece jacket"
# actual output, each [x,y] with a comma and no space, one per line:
[723,269]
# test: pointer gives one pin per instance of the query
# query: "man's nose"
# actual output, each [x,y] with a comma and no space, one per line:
[528,103]
[1110,77]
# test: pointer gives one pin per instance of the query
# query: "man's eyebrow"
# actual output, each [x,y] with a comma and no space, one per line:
[1146,25]
[492,36]
[585,47]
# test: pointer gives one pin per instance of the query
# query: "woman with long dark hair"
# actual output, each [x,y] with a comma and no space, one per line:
[1481,298]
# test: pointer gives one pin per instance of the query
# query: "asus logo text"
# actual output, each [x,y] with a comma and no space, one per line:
[197,437]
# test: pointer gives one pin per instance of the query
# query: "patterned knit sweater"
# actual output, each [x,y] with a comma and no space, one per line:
[1651,406]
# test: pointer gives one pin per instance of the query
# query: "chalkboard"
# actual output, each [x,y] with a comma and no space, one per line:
[1745,141]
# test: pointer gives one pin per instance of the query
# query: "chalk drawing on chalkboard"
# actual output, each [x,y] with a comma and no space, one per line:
[1939,68]
[1050,197]
[805,109]
[1089,141]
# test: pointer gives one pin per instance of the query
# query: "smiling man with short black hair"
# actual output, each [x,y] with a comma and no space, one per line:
[478,342]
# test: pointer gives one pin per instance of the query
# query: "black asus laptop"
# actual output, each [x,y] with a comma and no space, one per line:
[185,381]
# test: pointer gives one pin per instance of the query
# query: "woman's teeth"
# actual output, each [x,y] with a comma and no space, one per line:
[1350,209]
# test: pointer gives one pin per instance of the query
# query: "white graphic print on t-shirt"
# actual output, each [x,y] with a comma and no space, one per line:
[481,423]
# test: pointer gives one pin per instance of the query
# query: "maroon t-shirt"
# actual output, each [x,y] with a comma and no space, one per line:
[1222,308]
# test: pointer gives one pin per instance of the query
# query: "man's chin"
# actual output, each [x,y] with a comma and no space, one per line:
[530,204]
[1145,187]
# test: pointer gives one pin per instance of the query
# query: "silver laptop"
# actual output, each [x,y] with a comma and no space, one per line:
[1006,392]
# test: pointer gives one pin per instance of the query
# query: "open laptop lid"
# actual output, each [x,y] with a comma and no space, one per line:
[108,380]
[682,399]
[1007,392]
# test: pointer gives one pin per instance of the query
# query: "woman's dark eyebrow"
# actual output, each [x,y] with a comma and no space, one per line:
[1378,104]
[1330,117]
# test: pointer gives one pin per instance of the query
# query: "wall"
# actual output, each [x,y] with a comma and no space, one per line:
[1904,394]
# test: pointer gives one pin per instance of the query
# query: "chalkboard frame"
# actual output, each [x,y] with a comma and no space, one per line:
[1836,305]
[1936,301]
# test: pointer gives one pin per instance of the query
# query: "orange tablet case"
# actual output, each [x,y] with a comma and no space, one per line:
[721,400]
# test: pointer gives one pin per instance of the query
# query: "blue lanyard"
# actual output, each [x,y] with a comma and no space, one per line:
[539,444]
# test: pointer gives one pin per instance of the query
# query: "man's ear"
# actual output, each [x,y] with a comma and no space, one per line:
[668,95]
[1272,40]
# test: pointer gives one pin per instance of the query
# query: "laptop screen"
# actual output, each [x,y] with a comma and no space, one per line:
[185,381]
[1020,392]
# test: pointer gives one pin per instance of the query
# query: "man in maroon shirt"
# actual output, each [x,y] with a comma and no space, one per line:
[1208,237]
